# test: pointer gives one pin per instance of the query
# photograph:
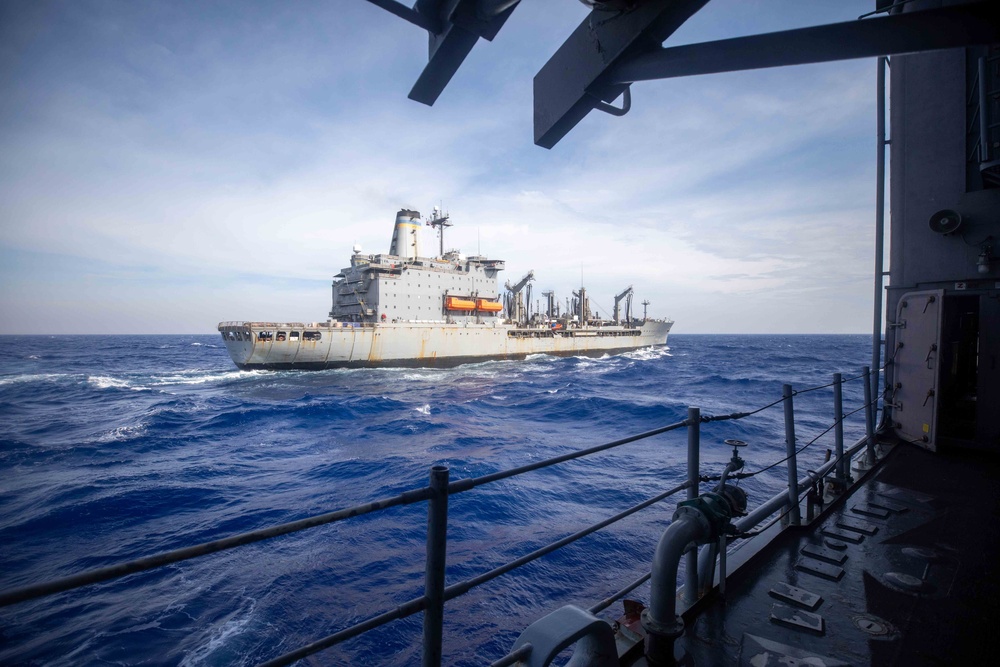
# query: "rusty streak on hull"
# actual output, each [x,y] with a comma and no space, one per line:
[275,346]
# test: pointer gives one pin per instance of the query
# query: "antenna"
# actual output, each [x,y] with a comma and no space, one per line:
[645,302]
[439,220]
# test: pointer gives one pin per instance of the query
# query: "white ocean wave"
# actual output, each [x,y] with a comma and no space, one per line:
[418,375]
[424,409]
[648,353]
[34,377]
[123,433]
[221,635]
[108,382]
[201,376]
[484,374]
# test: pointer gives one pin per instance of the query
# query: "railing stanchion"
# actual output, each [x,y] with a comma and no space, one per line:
[793,471]
[723,544]
[698,577]
[694,474]
[437,542]
[869,419]
[843,469]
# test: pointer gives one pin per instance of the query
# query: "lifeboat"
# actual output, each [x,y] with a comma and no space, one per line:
[489,306]
[454,303]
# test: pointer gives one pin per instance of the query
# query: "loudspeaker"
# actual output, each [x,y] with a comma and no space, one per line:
[945,221]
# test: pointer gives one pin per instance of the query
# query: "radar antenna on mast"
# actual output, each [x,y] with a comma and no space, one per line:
[439,220]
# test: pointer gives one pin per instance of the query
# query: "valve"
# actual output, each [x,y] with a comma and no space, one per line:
[736,463]
[714,509]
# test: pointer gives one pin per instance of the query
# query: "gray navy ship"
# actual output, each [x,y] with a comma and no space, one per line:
[403,309]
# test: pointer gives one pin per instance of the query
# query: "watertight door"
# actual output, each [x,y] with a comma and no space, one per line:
[916,362]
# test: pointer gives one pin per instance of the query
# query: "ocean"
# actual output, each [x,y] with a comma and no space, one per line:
[116,447]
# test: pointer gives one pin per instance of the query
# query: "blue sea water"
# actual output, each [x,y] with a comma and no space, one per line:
[115,447]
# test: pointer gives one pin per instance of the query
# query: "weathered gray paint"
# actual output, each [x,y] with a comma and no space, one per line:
[422,343]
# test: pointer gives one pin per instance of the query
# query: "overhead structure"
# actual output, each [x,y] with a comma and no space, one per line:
[453,28]
[607,53]
[621,42]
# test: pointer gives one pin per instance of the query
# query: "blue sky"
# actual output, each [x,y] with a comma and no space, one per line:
[168,165]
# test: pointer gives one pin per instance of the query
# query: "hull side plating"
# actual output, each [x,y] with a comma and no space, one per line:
[254,345]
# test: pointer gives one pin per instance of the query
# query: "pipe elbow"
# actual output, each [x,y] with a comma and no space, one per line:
[688,530]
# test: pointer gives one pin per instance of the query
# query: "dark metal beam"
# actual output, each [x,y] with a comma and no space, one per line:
[573,81]
[462,23]
[407,14]
[908,32]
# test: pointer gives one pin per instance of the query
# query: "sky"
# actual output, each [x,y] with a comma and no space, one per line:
[165,166]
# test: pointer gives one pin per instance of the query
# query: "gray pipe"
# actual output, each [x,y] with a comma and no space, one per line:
[706,568]
[661,620]
[879,226]
[694,474]
[706,559]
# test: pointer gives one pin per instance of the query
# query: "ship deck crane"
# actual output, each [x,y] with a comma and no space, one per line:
[550,310]
[627,295]
[514,300]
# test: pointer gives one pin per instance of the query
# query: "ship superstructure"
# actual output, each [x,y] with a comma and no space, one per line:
[405,309]
[402,286]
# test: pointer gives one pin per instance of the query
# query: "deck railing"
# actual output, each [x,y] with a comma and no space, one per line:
[441,488]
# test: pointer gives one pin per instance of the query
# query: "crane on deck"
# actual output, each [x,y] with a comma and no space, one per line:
[627,296]
[514,301]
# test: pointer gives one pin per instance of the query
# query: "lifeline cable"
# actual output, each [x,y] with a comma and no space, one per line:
[744,475]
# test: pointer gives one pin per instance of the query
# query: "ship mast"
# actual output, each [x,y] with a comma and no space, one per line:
[439,221]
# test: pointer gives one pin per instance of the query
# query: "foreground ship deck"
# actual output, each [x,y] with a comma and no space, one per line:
[901,571]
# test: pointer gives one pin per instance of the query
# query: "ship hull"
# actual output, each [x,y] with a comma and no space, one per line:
[271,346]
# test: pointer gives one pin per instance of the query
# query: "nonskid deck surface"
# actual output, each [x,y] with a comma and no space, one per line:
[903,571]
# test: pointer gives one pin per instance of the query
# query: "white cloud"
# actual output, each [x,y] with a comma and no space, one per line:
[172,154]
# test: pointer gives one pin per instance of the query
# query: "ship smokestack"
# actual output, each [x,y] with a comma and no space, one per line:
[406,235]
